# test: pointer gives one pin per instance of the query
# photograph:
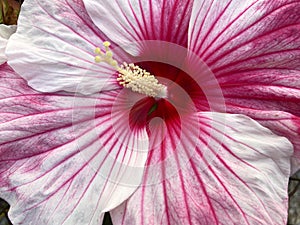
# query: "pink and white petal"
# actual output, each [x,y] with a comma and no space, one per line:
[281,123]
[232,35]
[130,21]
[5,32]
[61,161]
[254,55]
[270,96]
[53,48]
[266,90]
[246,183]
[286,125]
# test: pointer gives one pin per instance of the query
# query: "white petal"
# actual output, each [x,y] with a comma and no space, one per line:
[127,22]
[5,33]
[53,48]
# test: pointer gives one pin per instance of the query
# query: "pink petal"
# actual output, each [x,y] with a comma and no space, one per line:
[253,49]
[139,20]
[63,159]
[234,35]
[5,32]
[237,174]
[272,97]
[53,48]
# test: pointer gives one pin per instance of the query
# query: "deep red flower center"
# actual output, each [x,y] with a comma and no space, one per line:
[184,96]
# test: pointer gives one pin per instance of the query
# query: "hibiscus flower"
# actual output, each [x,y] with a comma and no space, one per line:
[196,127]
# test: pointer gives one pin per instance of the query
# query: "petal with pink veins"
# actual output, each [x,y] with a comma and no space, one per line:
[141,20]
[237,174]
[253,49]
[5,32]
[281,123]
[233,35]
[53,48]
[270,96]
[61,159]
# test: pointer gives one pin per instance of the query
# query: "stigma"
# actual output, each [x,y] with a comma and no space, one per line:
[132,76]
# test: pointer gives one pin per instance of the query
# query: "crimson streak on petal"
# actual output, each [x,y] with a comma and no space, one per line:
[246,183]
[253,48]
[57,159]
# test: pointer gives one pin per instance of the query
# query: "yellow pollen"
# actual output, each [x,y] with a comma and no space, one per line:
[109,54]
[97,59]
[106,43]
[98,51]
[132,76]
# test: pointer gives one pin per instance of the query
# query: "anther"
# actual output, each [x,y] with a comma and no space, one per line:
[97,59]
[98,51]
[106,43]
[109,54]
[132,76]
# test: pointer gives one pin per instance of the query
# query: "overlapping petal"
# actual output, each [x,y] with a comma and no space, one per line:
[253,49]
[5,32]
[56,39]
[280,122]
[141,20]
[270,96]
[237,174]
[61,159]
